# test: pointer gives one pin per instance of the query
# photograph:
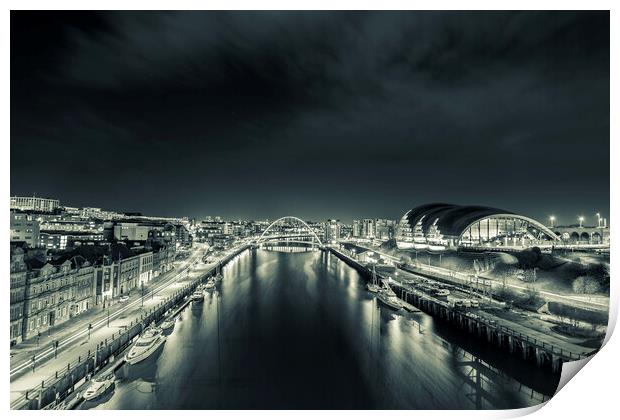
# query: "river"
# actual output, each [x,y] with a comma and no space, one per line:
[297,330]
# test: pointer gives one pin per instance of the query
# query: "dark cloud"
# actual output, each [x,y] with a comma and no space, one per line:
[338,114]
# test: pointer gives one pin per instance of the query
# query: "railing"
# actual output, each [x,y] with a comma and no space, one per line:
[57,386]
[494,325]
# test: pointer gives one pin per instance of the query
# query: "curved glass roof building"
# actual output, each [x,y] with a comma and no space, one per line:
[441,226]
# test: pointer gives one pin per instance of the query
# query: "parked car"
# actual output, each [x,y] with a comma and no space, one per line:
[474,303]
[124,298]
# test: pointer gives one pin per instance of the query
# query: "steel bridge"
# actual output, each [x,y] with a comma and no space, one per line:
[289,229]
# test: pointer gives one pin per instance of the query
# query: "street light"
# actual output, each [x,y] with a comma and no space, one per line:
[552,219]
[581,218]
[601,226]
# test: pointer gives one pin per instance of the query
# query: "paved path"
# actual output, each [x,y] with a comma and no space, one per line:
[74,340]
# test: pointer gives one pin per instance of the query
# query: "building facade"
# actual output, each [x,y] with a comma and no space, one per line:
[442,226]
[146,268]
[332,230]
[19,276]
[356,229]
[24,228]
[35,204]
[54,294]
[368,228]
[183,236]
[123,231]
[60,240]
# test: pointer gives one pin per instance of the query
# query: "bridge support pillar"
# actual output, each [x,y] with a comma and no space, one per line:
[541,357]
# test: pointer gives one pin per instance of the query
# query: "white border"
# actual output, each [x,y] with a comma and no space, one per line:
[592,395]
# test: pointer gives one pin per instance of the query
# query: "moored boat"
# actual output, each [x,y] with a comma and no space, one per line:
[148,342]
[198,296]
[373,285]
[99,386]
[168,323]
[387,296]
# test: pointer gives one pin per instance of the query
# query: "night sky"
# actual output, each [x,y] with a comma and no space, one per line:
[319,115]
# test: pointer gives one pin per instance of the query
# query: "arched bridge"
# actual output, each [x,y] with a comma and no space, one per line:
[589,235]
[288,228]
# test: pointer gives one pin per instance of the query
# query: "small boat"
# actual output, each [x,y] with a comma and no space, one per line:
[198,296]
[99,386]
[373,286]
[387,296]
[210,284]
[150,340]
[168,322]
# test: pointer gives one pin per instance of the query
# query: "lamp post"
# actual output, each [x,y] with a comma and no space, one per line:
[600,225]
[551,220]
[581,218]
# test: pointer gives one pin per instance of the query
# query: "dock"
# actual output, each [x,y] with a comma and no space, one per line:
[515,339]
[59,389]
[409,307]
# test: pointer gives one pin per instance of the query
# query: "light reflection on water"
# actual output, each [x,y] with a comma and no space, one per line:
[298,330]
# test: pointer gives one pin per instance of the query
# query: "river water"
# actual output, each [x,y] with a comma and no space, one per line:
[297,330]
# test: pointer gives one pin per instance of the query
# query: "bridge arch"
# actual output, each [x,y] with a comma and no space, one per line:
[297,219]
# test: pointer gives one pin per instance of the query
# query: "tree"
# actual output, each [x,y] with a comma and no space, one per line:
[529,258]
[532,295]
[579,285]
[591,286]
[530,275]
[586,285]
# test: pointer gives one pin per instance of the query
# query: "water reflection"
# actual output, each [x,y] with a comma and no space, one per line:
[298,330]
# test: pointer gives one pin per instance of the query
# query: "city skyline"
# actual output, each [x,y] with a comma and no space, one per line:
[259,115]
[552,220]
